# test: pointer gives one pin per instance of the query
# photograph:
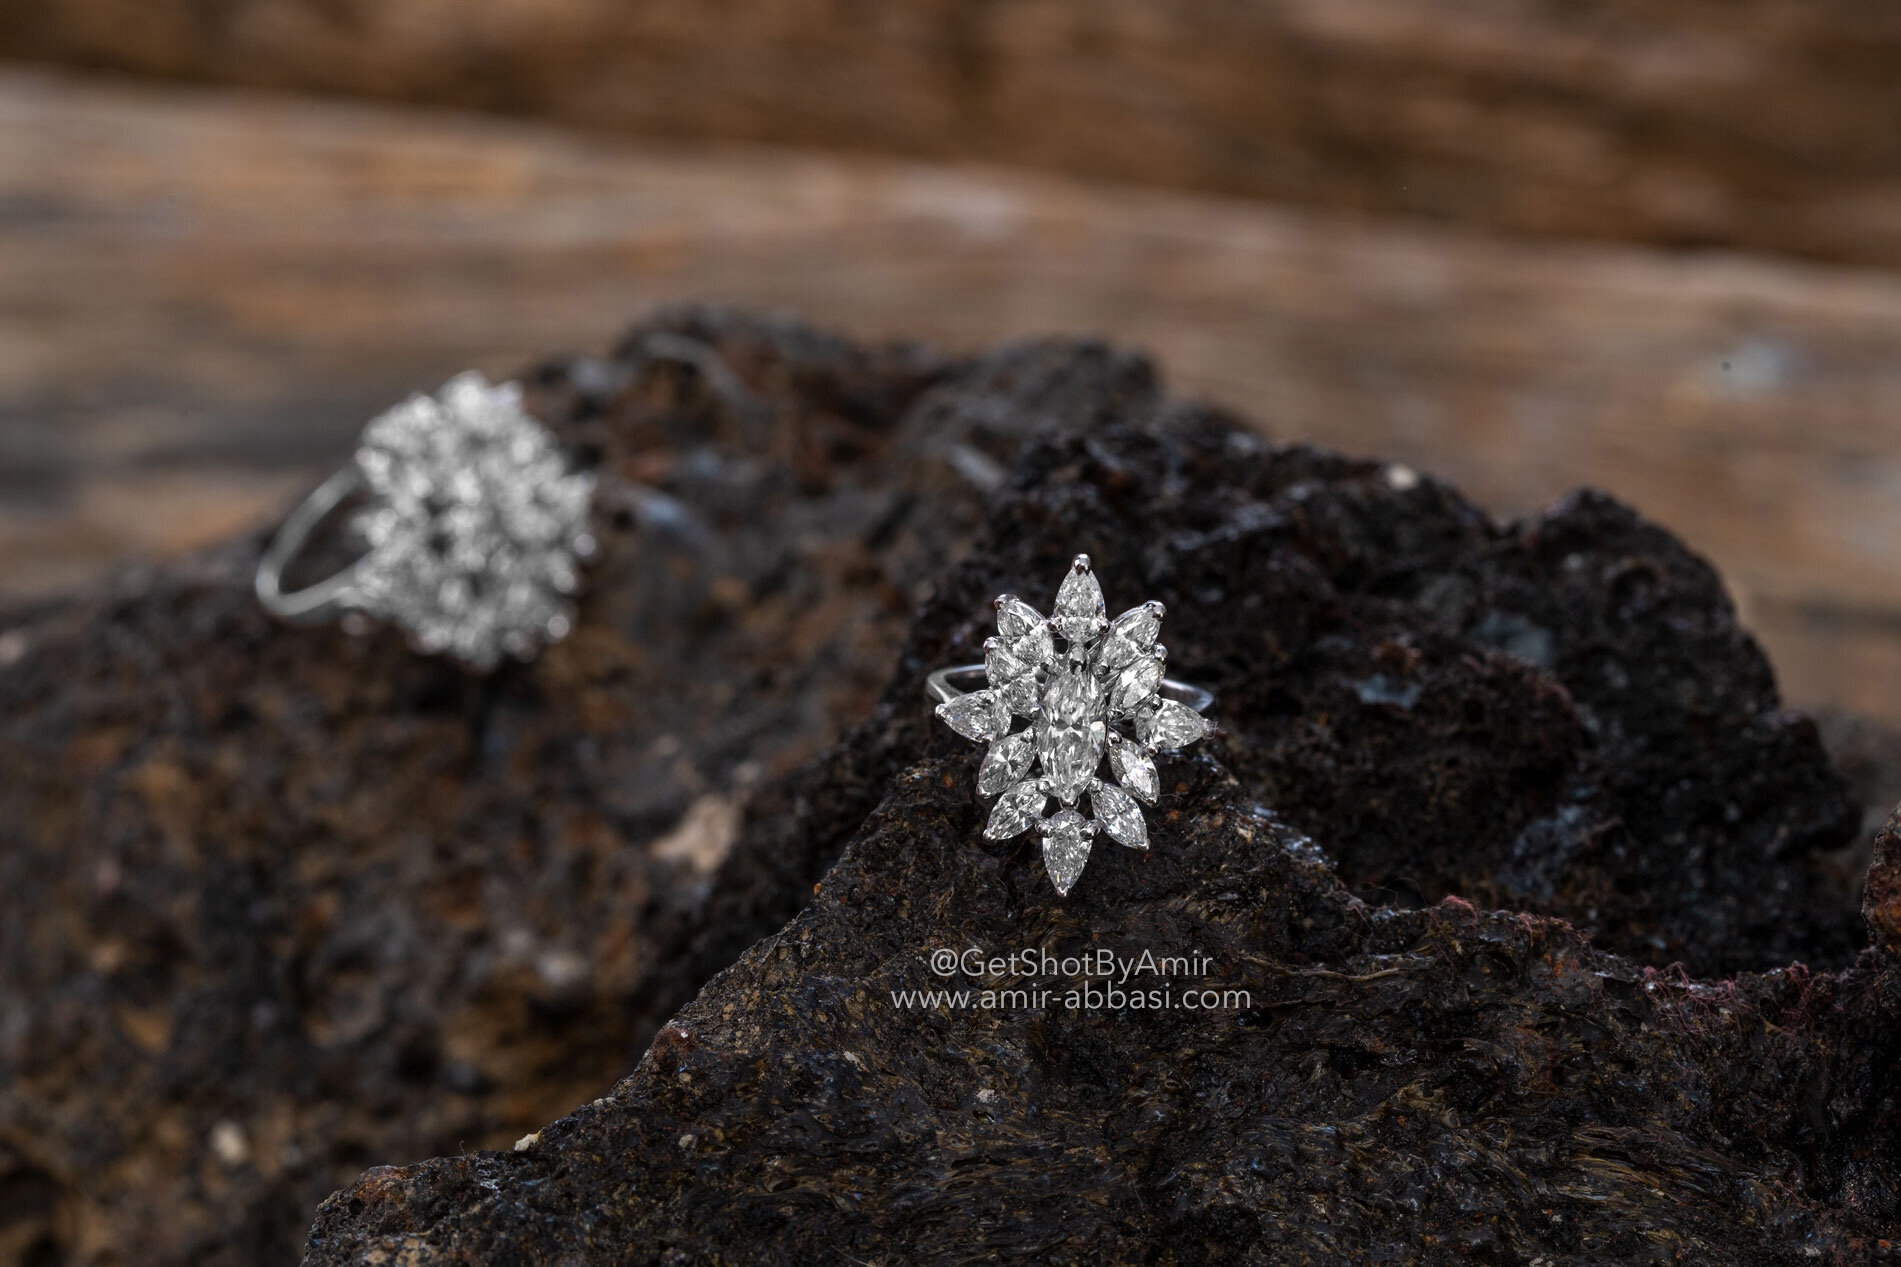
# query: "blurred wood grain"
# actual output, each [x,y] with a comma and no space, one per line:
[204,293]
[1769,124]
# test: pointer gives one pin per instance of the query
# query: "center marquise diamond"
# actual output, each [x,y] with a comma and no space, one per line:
[1089,688]
[1073,732]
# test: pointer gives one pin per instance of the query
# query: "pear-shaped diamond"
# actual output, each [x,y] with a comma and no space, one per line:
[980,715]
[1130,637]
[1117,813]
[1065,848]
[1169,725]
[1135,684]
[1135,770]
[1016,810]
[1079,609]
[1006,763]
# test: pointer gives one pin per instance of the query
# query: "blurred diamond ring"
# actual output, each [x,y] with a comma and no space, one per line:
[1077,696]
[474,523]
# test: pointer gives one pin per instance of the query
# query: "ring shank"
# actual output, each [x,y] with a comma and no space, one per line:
[329,597]
[940,687]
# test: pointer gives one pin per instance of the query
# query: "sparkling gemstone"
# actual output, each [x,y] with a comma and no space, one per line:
[1079,610]
[1013,680]
[1016,810]
[1117,813]
[1070,755]
[1135,684]
[1135,770]
[1070,740]
[1130,637]
[1006,763]
[1025,633]
[1016,618]
[999,665]
[1169,725]
[1072,698]
[1066,839]
[1019,696]
[1037,647]
[979,715]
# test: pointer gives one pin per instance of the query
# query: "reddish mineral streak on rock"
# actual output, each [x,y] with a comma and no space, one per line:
[362,907]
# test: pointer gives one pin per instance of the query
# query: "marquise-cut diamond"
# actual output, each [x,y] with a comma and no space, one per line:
[1012,679]
[1015,618]
[1036,647]
[979,715]
[1019,696]
[1006,763]
[1135,684]
[1018,808]
[1071,699]
[999,665]
[1070,755]
[1118,814]
[1131,636]
[1169,724]
[1065,848]
[1071,738]
[1135,770]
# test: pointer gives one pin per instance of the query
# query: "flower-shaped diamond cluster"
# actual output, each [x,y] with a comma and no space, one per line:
[1090,689]
[475,524]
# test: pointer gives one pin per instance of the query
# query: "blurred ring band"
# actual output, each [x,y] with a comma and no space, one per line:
[328,598]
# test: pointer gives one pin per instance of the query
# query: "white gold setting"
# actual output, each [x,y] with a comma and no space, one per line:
[1091,689]
[475,528]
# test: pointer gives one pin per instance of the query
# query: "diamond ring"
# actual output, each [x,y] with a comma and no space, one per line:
[1079,678]
[474,525]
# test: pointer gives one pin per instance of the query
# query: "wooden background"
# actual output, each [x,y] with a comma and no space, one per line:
[1763,123]
[1474,260]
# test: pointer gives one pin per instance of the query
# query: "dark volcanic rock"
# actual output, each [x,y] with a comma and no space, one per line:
[1559,716]
[283,903]
[1426,714]
[1394,1086]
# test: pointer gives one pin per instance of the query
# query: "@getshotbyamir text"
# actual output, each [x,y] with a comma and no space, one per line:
[1099,979]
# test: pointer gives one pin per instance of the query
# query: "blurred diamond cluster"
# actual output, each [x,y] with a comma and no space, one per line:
[475,525]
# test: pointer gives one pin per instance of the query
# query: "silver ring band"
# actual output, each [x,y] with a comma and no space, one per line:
[941,689]
[323,601]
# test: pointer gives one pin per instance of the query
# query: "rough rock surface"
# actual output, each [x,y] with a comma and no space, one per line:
[1398,1086]
[277,904]
[1526,878]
